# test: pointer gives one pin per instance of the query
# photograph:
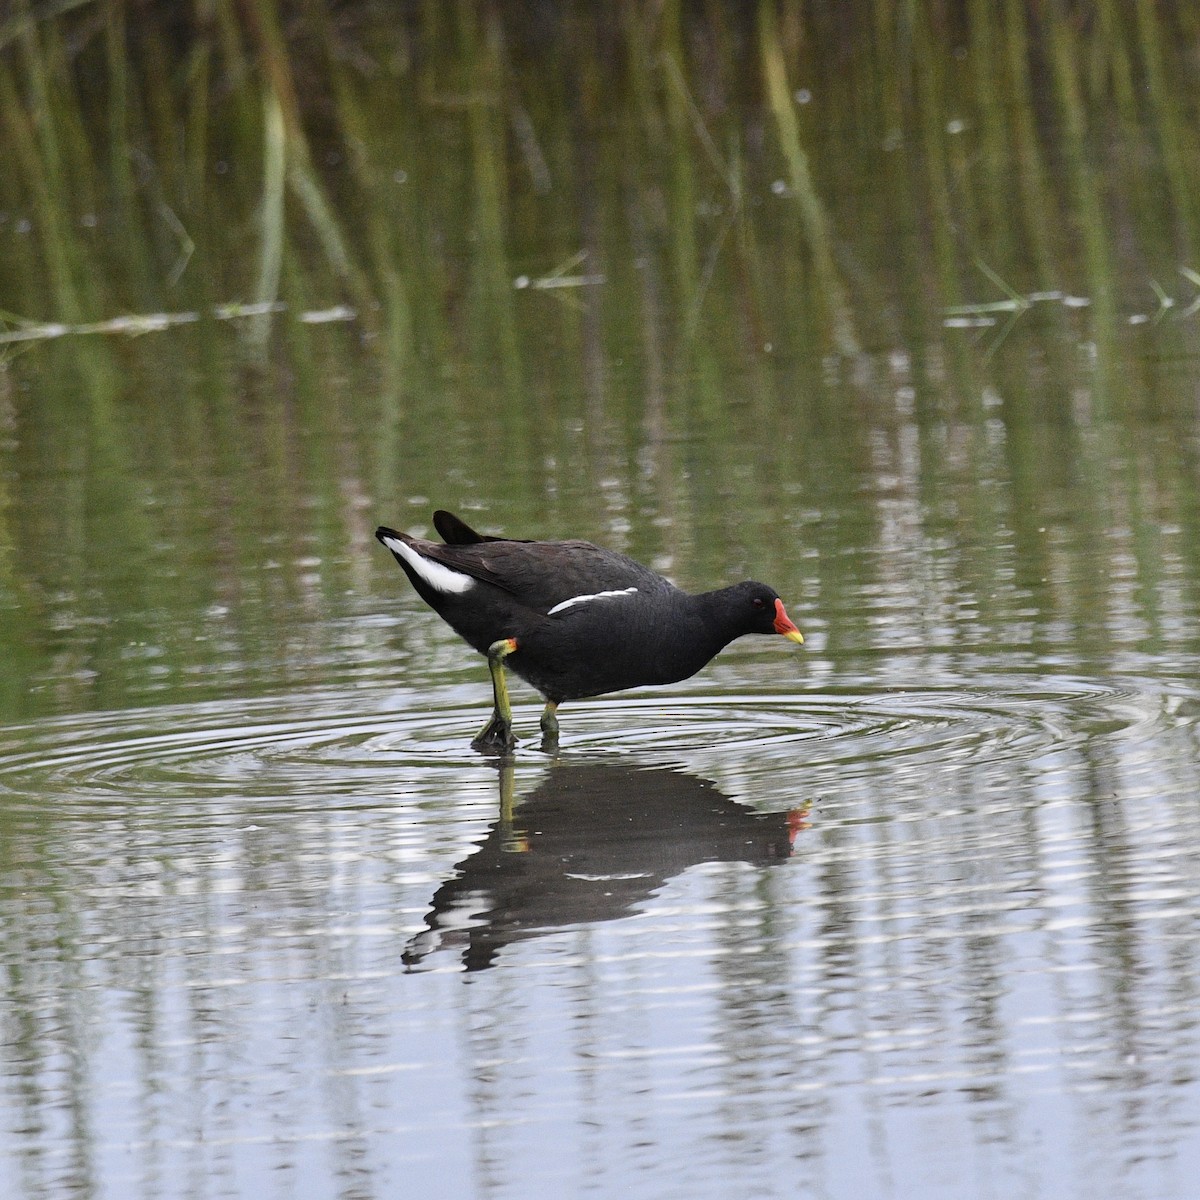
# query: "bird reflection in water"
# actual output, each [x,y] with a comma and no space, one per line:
[590,843]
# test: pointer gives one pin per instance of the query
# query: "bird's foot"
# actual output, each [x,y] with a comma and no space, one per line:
[496,737]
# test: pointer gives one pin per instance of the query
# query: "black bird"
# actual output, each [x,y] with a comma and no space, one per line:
[573,619]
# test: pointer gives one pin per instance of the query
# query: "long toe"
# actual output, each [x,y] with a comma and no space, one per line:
[496,737]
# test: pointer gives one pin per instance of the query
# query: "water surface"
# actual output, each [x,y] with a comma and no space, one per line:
[314,938]
[909,911]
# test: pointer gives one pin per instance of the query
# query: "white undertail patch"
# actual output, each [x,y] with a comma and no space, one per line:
[439,577]
[584,599]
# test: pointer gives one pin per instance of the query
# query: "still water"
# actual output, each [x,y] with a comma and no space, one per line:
[923,926]
[909,911]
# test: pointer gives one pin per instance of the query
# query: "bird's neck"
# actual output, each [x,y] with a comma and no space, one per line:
[713,611]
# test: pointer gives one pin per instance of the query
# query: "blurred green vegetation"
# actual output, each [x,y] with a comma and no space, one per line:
[777,168]
[711,281]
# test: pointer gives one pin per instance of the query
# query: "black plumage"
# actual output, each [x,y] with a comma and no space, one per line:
[571,618]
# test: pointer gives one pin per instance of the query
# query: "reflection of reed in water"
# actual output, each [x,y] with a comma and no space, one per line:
[588,844]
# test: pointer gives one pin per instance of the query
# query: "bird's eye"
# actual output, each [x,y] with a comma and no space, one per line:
[759,602]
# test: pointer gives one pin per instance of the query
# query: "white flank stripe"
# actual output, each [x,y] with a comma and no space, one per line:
[584,599]
[437,576]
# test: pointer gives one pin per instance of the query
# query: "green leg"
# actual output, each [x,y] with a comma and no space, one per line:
[549,725]
[497,734]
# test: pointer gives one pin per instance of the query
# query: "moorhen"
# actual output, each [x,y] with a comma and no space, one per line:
[572,619]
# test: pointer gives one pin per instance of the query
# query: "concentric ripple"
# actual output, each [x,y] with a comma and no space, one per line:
[351,741]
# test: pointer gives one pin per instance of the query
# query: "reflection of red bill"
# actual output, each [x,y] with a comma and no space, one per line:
[797,820]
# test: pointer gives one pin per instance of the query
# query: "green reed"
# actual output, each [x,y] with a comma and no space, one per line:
[677,186]
[192,141]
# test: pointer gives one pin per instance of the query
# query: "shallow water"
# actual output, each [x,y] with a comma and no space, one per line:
[909,911]
[885,938]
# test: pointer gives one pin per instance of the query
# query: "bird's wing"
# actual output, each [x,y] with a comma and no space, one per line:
[541,575]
